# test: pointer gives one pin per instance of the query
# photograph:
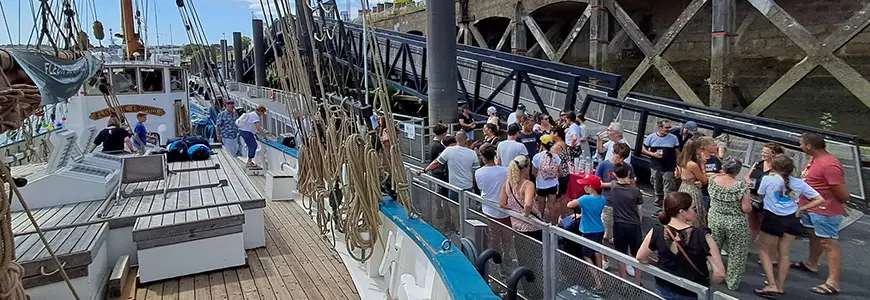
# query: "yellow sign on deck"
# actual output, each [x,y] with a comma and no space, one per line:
[128,108]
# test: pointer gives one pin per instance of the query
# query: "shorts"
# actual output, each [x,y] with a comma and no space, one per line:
[547,191]
[776,225]
[626,238]
[563,186]
[607,218]
[826,227]
[537,234]
[595,237]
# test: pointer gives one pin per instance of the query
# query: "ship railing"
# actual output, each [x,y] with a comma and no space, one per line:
[557,273]
[413,136]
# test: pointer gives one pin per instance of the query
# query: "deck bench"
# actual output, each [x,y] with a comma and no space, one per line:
[204,239]
[82,251]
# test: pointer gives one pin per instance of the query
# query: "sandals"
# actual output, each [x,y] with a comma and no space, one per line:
[767,294]
[803,267]
[825,289]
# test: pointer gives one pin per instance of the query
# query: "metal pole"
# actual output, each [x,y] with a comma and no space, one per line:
[259,53]
[225,60]
[441,46]
[237,55]
[365,55]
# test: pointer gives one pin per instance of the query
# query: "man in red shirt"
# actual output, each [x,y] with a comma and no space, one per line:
[824,173]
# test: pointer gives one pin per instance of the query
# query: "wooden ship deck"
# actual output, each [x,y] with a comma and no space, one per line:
[296,262]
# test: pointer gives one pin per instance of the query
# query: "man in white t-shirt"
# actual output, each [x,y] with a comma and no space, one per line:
[613,133]
[511,148]
[490,179]
[461,162]
[512,118]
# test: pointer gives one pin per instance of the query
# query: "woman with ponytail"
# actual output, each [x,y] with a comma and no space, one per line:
[518,194]
[683,249]
[547,170]
[781,221]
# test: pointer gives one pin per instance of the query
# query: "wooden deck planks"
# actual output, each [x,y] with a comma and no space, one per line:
[240,188]
[281,270]
[297,263]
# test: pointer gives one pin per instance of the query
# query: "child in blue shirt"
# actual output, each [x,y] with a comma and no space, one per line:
[591,226]
[140,132]
[591,205]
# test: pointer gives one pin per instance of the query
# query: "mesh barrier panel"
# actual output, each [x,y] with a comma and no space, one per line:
[435,209]
[578,279]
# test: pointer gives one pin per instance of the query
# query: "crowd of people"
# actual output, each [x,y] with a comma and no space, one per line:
[706,209]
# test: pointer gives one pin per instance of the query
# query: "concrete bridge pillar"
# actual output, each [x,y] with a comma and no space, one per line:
[441,49]
[237,55]
[259,53]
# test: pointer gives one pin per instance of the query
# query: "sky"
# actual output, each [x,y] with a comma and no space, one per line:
[219,18]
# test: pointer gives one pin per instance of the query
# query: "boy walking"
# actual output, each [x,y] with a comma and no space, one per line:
[626,201]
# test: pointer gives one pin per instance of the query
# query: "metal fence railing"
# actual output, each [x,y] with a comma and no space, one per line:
[557,273]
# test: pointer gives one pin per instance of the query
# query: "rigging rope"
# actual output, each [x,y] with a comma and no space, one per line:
[17,103]
[321,167]
[397,166]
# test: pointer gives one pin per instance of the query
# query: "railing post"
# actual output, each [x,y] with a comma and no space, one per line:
[463,213]
[476,231]
[549,244]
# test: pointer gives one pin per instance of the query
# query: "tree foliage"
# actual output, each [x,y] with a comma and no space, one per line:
[188,51]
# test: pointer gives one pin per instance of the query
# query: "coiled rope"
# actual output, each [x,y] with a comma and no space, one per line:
[397,166]
[362,224]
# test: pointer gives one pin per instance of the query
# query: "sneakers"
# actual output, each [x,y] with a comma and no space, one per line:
[605,264]
[629,270]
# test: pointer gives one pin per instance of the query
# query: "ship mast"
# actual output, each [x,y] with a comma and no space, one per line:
[130,39]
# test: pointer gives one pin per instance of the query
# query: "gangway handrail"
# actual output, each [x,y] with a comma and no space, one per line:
[612,78]
[676,116]
[844,137]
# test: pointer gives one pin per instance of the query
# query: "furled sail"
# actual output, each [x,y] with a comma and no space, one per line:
[57,79]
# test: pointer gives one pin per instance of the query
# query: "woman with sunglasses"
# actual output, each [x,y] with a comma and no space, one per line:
[683,249]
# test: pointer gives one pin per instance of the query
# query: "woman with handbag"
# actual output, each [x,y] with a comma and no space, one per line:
[683,249]
[729,204]
[518,194]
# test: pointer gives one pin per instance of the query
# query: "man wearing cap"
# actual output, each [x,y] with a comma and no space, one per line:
[466,122]
[685,133]
[493,116]
[226,123]
[514,116]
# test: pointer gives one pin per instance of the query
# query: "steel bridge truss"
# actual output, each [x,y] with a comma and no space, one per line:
[504,80]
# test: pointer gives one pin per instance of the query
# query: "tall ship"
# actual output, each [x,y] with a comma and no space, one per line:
[300,167]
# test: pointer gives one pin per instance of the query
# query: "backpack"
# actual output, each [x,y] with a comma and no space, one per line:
[198,152]
[243,120]
[549,168]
